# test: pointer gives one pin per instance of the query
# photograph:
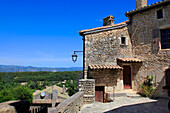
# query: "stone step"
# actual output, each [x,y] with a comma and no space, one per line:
[126,93]
[133,95]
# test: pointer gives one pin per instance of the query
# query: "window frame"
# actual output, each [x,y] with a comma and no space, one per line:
[124,40]
[163,14]
[167,38]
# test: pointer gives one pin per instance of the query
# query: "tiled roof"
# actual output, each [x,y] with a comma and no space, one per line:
[49,90]
[92,66]
[147,7]
[103,27]
[129,59]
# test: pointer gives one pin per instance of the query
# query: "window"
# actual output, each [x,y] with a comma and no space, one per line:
[160,14]
[123,40]
[165,38]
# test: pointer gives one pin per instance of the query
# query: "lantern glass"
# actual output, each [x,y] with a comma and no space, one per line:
[74,57]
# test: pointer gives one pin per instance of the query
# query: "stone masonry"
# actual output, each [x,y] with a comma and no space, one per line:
[144,29]
[111,79]
[105,46]
[88,87]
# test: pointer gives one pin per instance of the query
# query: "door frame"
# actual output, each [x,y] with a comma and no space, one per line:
[103,92]
[130,75]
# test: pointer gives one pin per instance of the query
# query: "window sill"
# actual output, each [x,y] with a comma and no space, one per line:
[161,19]
[165,49]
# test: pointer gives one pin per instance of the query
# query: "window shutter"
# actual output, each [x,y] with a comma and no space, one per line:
[119,38]
[155,33]
[155,40]
[127,41]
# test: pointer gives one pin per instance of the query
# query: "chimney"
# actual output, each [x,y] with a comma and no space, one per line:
[64,89]
[141,3]
[54,97]
[109,20]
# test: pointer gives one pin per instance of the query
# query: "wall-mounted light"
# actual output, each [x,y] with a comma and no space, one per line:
[74,56]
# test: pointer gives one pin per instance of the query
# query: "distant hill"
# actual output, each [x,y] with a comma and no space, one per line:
[13,68]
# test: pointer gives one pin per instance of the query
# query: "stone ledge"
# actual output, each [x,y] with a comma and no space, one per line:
[84,80]
[70,104]
[89,96]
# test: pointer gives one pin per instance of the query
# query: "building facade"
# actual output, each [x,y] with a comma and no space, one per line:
[120,56]
[103,47]
[149,29]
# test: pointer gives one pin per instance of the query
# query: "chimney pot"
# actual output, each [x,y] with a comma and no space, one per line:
[109,20]
[141,3]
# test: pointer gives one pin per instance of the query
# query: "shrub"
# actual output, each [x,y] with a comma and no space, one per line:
[147,86]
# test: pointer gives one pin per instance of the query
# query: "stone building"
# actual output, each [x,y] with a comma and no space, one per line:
[103,47]
[120,56]
[149,29]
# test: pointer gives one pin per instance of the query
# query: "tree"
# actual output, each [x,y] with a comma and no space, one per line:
[1,83]
[23,93]
[72,87]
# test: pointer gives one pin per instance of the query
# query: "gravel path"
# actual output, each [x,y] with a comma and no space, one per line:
[128,105]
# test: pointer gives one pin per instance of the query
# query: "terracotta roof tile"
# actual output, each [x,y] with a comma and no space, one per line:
[147,7]
[97,28]
[92,66]
[129,59]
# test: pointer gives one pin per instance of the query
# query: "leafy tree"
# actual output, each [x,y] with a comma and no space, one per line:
[23,93]
[72,87]
[5,95]
[1,84]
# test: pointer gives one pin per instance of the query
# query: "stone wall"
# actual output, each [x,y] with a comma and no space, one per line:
[144,30]
[70,105]
[15,107]
[111,78]
[88,87]
[105,46]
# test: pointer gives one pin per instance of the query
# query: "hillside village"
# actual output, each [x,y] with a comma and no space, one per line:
[123,62]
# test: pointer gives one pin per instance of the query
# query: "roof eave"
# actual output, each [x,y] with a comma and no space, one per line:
[146,8]
[102,29]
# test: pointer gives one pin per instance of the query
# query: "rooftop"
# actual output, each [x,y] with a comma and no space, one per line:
[49,90]
[104,27]
[147,7]
[129,60]
[92,66]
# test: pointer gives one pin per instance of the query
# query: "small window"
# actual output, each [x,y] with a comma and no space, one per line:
[165,38]
[123,41]
[160,14]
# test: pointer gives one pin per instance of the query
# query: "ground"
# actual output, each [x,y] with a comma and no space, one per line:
[128,105]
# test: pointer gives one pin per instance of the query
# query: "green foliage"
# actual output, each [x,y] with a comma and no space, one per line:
[16,92]
[1,83]
[10,88]
[23,93]
[5,95]
[72,87]
[19,77]
[148,86]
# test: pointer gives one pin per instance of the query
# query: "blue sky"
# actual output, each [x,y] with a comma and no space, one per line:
[44,33]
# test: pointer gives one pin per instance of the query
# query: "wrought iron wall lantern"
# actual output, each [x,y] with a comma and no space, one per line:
[74,56]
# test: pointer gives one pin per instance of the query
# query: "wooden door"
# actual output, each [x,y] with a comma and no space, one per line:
[127,77]
[99,93]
